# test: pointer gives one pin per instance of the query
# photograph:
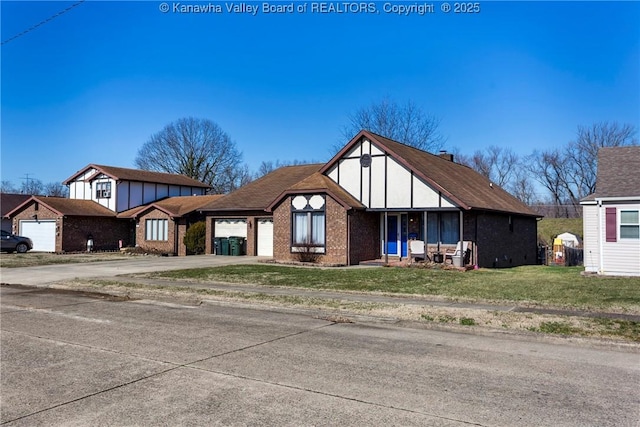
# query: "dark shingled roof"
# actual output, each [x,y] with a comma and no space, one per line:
[461,184]
[141,176]
[10,201]
[173,206]
[617,173]
[69,207]
[258,195]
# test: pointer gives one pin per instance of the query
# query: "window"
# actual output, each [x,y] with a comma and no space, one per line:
[156,229]
[443,224]
[103,190]
[630,224]
[308,223]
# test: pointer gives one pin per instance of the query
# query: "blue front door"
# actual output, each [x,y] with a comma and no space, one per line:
[392,235]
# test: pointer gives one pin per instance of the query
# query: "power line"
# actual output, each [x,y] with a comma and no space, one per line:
[51,18]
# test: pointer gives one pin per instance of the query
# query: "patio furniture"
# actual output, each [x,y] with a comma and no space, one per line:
[417,250]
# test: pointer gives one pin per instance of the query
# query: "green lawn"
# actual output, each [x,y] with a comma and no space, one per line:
[538,285]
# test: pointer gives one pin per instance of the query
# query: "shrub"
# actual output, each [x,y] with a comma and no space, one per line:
[306,253]
[194,238]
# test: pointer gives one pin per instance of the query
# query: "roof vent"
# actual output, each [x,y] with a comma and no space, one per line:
[445,155]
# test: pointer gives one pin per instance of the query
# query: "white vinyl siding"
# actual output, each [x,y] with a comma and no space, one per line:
[623,256]
[590,240]
[157,229]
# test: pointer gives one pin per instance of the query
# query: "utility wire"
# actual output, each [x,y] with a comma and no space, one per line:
[51,18]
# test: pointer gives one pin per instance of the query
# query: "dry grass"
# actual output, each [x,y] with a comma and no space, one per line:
[343,311]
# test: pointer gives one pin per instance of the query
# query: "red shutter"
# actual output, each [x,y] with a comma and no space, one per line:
[611,225]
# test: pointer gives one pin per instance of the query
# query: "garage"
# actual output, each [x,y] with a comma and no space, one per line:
[265,237]
[230,227]
[42,233]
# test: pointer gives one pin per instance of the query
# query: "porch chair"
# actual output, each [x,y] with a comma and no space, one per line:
[416,250]
[461,250]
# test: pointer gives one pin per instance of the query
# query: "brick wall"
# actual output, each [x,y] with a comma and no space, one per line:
[365,236]
[72,232]
[168,246]
[106,233]
[500,244]
[335,236]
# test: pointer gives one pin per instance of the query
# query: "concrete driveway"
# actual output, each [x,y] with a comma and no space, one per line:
[44,274]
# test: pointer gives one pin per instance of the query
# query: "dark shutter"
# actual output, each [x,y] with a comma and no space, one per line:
[611,225]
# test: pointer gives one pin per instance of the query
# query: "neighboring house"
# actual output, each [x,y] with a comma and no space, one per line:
[8,202]
[120,189]
[611,216]
[58,224]
[97,194]
[369,200]
[161,226]
[244,212]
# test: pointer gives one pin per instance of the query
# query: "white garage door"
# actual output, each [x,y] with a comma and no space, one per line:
[265,237]
[230,227]
[42,233]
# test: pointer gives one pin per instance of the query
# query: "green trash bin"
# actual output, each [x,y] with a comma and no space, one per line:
[224,246]
[236,245]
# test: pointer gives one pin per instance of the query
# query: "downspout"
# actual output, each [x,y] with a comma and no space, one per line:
[461,237]
[385,237]
[348,238]
[424,222]
[600,239]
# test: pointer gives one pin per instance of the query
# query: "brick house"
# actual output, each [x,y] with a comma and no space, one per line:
[375,195]
[612,214]
[161,226]
[113,205]
[244,212]
[58,224]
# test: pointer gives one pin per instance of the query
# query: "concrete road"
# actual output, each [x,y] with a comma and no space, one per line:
[43,274]
[75,360]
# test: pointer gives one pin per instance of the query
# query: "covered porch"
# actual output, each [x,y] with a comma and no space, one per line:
[437,231]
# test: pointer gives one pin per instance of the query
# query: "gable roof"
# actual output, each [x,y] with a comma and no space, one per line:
[617,174]
[463,185]
[320,183]
[126,174]
[63,206]
[10,201]
[173,206]
[258,195]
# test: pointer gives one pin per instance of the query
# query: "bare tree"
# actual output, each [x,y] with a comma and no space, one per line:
[581,155]
[405,123]
[547,168]
[268,166]
[32,186]
[496,163]
[7,186]
[56,189]
[197,148]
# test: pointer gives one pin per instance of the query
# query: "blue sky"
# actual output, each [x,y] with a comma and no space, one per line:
[93,84]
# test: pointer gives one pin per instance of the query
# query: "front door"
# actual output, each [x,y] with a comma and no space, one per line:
[396,239]
[393,235]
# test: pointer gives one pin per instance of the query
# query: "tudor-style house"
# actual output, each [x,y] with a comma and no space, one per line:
[370,200]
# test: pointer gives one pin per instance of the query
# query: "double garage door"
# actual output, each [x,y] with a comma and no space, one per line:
[41,233]
[238,227]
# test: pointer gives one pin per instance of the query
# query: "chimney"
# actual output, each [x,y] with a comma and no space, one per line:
[445,155]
